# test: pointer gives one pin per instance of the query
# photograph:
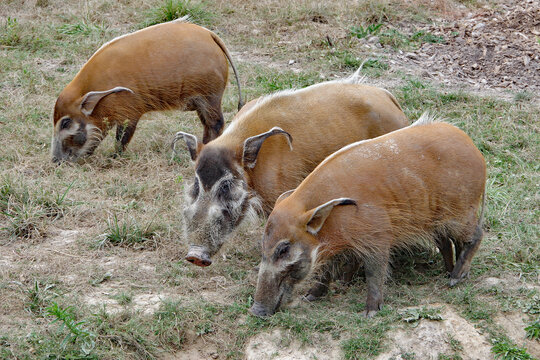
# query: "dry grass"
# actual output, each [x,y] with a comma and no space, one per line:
[147,300]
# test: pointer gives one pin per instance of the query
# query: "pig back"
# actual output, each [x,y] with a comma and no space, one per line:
[321,120]
[406,183]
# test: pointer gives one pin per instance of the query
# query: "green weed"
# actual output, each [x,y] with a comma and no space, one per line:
[174,9]
[361,32]
[80,28]
[169,326]
[398,40]
[123,298]
[127,233]
[375,67]
[37,297]
[344,60]
[504,350]
[282,81]
[76,333]
[533,330]
[362,347]
[10,32]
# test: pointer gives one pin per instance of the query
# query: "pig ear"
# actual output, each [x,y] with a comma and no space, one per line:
[192,144]
[91,99]
[253,144]
[284,196]
[317,217]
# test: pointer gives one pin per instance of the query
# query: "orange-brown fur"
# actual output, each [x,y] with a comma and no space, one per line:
[443,190]
[320,120]
[174,65]
[422,183]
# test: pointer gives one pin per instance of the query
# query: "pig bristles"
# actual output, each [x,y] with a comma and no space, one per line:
[409,238]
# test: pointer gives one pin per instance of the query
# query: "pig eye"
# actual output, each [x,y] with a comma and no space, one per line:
[66,122]
[282,249]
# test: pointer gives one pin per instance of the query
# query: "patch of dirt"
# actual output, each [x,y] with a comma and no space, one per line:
[146,303]
[497,48]
[198,350]
[430,338]
[514,323]
[508,282]
[274,346]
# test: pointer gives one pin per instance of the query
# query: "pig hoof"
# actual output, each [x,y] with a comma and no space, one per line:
[259,310]
[457,280]
[371,313]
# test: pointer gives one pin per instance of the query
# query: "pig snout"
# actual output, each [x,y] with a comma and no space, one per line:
[199,256]
[259,310]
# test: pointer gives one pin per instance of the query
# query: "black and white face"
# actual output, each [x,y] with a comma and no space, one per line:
[217,201]
[73,138]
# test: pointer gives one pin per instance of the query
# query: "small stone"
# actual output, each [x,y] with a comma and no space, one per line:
[291,62]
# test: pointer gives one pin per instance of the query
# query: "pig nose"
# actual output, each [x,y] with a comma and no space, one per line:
[258,310]
[199,256]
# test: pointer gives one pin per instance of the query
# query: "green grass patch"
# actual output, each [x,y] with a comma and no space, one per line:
[128,233]
[175,9]
[398,40]
[76,333]
[272,82]
[505,350]
[10,32]
[80,28]
[361,32]
[533,330]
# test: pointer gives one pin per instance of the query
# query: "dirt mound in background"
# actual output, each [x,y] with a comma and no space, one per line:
[498,48]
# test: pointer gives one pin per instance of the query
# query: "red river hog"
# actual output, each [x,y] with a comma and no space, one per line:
[423,183]
[174,65]
[246,168]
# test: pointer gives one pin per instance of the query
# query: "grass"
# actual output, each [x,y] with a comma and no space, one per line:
[127,233]
[64,297]
[10,32]
[533,330]
[174,9]
[75,333]
[80,28]
[399,40]
[361,32]
[504,350]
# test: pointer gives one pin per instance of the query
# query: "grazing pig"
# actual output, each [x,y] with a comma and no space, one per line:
[175,65]
[418,184]
[248,167]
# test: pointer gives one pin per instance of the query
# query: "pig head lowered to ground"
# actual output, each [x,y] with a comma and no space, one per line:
[175,65]
[423,183]
[272,144]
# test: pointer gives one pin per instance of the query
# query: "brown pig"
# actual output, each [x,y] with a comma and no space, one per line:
[248,167]
[423,183]
[174,65]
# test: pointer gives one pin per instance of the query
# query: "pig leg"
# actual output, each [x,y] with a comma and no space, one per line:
[322,284]
[209,111]
[124,133]
[468,249]
[376,268]
[445,247]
